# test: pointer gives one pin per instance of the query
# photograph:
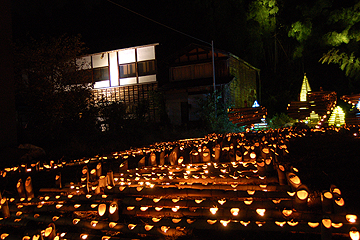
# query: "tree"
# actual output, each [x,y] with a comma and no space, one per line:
[53,99]
[345,40]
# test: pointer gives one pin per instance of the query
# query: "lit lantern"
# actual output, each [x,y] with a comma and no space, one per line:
[114,212]
[164,228]
[302,194]
[154,219]
[213,210]
[112,224]
[211,222]
[235,211]
[245,223]
[176,220]
[148,227]
[224,222]
[248,201]
[261,211]
[131,226]
[351,218]
[287,212]
[84,236]
[336,225]
[354,234]
[326,222]
[222,201]
[281,224]
[102,209]
[76,221]
[313,224]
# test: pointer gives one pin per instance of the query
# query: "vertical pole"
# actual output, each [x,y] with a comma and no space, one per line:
[213,68]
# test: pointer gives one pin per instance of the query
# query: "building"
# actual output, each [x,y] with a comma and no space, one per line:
[129,75]
[191,79]
[126,75]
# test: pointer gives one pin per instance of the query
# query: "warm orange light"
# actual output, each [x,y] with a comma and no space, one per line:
[112,208]
[336,225]
[164,228]
[261,211]
[112,224]
[130,208]
[354,234]
[176,220]
[328,195]
[4,235]
[245,223]
[148,227]
[211,222]
[84,236]
[281,224]
[76,221]
[156,219]
[351,218]
[224,222]
[313,224]
[213,210]
[222,201]
[302,194]
[235,211]
[251,192]
[198,200]
[340,202]
[287,212]
[94,223]
[102,209]
[248,201]
[143,209]
[326,222]
[131,226]
[48,231]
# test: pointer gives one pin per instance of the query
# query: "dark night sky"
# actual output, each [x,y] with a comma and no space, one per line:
[105,26]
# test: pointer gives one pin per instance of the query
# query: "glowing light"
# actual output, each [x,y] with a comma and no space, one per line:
[245,223]
[94,223]
[249,201]
[154,219]
[302,194]
[328,195]
[292,223]
[313,224]
[131,226]
[112,208]
[4,235]
[261,211]
[326,222]
[337,225]
[340,202]
[76,221]
[213,210]
[224,222]
[211,222]
[176,220]
[351,218]
[112,224]
[199,200]
[143,209]
[164,228]
[235,211]
[148,227]
[337,117]
[287,212]
[354,234]
[175,209]
[222,201]
[102,209]
[281,224]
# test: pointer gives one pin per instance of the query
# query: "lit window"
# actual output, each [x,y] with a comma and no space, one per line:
[127,70]
[146,68]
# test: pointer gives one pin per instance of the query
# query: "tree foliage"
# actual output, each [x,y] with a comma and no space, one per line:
[345,40]
[213,112]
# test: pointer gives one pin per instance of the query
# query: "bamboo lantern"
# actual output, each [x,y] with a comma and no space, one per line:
[217,152]
[49,233]
[114,212]
[301,197]
[205,155]
[173,156]
[98,170]
[58,180]
[21,189]
[29,188]
[141,163]
[152,159]
[327,202]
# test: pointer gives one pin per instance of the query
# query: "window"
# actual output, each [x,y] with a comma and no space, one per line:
[101,73]
[127,70]
[146,68]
